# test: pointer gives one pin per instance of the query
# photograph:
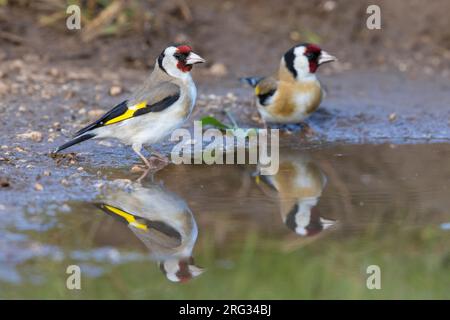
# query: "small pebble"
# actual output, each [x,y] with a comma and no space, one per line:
[38,187]
[115,90]
[392,117]
[96,113]
[54,72]
[4,182]
[36,136]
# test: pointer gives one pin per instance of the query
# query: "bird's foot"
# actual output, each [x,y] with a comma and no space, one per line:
[143,175]
[143,169]
[153,165]
[157,163]
[157,157]
[307,130]
[286,127]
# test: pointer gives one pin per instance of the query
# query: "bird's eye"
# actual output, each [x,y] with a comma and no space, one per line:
[311,55]
[180,56]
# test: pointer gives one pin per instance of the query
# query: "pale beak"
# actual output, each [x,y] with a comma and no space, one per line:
[326,57]
[194,58]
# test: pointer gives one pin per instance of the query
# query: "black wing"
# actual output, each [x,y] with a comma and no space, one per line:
[265,96]
[121,109]
[117,111]
[158,106]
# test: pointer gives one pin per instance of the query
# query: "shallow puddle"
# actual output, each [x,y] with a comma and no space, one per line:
[197,231]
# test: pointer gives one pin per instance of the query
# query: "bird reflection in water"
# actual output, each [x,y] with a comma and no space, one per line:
[163,222]
[297,185]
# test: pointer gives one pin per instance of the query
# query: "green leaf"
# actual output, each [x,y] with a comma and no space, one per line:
[209,120]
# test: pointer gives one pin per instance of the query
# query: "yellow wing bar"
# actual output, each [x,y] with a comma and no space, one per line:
[129,217]
[128,114]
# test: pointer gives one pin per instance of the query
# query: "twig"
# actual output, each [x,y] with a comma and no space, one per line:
[52,18]
[13,38]
[95,27]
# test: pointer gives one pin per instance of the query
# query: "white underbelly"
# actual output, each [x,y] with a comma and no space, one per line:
[303,102]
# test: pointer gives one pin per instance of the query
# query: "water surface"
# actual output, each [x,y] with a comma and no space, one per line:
[199,231]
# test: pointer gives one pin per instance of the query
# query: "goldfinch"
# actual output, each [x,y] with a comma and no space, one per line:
[298,186]
[154,110]
[295,92]
[163,222]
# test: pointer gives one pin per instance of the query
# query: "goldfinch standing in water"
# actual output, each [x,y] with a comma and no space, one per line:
[153,111]
[295,92]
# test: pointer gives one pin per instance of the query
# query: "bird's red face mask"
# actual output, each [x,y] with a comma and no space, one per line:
[316,56]
[312,53]
[186,58]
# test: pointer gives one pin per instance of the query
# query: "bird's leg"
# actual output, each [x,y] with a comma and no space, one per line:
[143,175]
[307,129]
[137,149]
[282,127]
[158,155]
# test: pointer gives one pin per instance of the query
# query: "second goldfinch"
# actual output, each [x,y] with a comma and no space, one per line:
[295,92]
[153,111]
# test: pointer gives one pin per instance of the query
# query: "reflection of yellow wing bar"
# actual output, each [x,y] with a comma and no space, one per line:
[129,113]
[129,217]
